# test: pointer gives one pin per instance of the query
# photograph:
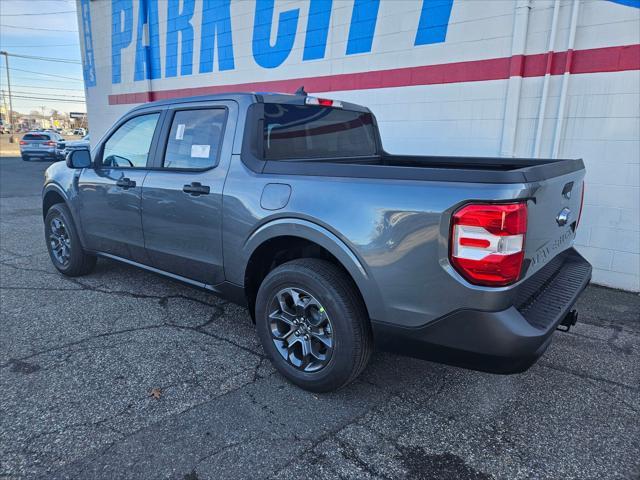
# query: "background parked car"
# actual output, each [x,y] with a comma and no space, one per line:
[64,146]
[39,145]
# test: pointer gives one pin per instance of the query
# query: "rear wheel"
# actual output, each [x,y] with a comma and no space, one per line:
[25,158]
[313,324]
[64,245]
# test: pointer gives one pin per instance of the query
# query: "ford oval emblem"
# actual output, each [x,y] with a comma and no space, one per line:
[563,216]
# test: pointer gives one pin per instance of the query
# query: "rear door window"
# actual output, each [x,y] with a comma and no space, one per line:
[194,139]
[310,131]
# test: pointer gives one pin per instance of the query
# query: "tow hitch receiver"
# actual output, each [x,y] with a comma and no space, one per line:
[568,321]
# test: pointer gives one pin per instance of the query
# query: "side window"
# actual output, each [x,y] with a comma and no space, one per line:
[194,138]
[129,146]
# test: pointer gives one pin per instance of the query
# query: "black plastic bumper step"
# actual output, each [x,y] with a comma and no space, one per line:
[550,294]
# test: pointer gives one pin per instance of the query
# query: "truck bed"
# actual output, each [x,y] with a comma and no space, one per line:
[434,168]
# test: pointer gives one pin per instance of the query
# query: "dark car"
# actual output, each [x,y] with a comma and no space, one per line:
[288,204]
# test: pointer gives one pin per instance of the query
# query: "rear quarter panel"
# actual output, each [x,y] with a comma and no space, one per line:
[398,230]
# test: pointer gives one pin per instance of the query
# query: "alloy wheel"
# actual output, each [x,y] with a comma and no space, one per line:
[60,241]
[301,329]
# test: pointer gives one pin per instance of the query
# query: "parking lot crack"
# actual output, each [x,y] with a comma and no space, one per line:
[135,432]
[162,299]
[615,397]
[349,453]
[332,433]
[4,263]
[586,376]
[220,450]
[198,329]
[44,289]
[79,342]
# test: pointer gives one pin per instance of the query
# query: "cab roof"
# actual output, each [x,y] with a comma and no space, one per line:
[253,97]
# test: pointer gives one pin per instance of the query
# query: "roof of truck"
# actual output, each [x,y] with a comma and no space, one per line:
[255,97]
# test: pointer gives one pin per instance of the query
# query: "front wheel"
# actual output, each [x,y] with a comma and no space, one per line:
[313,324]
[64,245]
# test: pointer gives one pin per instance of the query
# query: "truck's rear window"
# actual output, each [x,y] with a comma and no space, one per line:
[309,131]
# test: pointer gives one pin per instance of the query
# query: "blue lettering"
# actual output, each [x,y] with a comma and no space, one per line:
[628,3]
[363,25]
[148,56]
[216,26]
[121,35]
[179,22]
[268,56]
[315,42]
[88,64]
[434,21]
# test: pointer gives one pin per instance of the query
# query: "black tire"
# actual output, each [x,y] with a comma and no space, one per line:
[340,301]
[25,158]
[78,262]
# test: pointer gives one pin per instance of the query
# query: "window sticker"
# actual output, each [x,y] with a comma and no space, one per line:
[200,151]
[180,131]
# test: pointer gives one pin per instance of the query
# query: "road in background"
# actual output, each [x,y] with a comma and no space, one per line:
[124,374]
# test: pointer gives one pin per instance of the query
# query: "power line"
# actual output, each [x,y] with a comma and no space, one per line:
[4,25]
[49,81]
[41,93]
[47,74]
[49,88]
[41,46]
[46,59]
[29,14]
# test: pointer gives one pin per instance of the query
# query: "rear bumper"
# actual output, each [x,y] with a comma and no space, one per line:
[508,341]
[45,153]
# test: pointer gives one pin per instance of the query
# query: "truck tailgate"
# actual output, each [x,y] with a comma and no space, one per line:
[553,215]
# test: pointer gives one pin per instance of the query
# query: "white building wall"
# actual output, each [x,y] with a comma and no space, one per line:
[464,117]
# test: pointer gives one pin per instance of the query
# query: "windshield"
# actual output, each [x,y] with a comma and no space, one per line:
[310,131]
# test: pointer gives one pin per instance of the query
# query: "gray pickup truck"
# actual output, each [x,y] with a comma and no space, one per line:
[288,204]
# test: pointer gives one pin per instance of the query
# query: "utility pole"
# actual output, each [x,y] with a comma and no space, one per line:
[11,124]
[4,101]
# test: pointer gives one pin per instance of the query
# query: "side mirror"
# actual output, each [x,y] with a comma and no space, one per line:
[79,159]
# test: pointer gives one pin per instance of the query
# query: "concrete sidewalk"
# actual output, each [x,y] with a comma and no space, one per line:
[8,149]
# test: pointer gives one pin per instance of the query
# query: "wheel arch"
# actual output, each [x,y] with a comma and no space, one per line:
[286,239]
[51,196]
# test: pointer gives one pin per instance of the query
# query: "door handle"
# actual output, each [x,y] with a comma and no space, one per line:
[126,183]
[196,188]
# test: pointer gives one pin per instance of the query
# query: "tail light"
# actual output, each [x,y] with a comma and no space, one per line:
[581,205]
[487,242]
[22,142]
[50,143]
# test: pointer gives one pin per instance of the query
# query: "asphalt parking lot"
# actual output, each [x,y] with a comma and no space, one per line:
[123,374]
